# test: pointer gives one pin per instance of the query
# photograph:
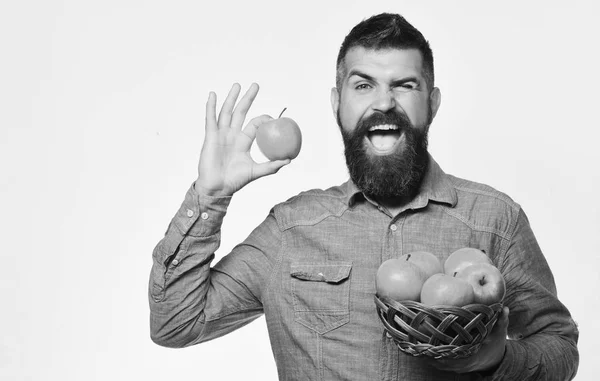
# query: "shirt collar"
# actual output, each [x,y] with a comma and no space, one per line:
[436,186]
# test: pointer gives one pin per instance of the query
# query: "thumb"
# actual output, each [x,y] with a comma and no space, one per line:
[269,168]
[504,317]
[502,324]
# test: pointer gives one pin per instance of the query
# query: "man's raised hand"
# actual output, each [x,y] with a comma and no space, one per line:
[225,164]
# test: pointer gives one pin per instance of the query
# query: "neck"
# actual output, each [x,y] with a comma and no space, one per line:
[394,205]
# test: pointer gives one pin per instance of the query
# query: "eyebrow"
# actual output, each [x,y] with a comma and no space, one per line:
[394,83]
[360,74]
[406,80]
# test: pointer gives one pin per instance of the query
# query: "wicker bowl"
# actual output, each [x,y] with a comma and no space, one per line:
[437,332]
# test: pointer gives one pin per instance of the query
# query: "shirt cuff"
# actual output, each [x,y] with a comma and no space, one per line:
[513,365]
[201,215]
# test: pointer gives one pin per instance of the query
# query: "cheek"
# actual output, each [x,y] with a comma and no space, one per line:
[348,116]
[351,110]
[417,111]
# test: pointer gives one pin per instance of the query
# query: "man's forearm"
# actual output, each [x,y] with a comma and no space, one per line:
[179,279]
[545,345]
[544,357]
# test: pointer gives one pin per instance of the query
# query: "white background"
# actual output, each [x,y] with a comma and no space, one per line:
[101,120]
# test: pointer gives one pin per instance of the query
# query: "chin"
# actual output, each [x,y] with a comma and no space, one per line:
[393,175]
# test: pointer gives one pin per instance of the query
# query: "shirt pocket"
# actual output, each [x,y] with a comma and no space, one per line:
[321,294]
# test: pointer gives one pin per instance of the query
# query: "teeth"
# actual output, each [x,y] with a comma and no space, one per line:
[383,127]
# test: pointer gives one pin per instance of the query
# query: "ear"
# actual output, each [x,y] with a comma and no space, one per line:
[436,99]
[335,101]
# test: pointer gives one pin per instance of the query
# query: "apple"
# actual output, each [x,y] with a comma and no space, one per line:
[487,282]
[464,257]
[428,262]
[399,280]
[444,289]
[279,139]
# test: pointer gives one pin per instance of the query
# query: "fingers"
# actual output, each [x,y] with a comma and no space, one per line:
[269,168]
[211,107]
[503,319]
[227,108]
[231,115]
[239,114]
[252,126]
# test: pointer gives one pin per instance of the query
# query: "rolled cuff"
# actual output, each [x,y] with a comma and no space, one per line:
[513,364]
[200,215]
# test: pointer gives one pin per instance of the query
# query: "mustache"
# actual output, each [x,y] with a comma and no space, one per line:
[392,117]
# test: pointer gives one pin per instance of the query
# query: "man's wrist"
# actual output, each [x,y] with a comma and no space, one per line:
[490,370]
[200,215]
[210,192]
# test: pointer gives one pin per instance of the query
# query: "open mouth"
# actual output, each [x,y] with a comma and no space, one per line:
[383,138]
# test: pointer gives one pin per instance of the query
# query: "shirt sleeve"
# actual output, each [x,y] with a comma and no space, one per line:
[190,302]
[543,337]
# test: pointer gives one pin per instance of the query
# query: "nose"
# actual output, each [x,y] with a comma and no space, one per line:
[385,101]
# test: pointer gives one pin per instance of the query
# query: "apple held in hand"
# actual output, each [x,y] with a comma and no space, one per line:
[464,257]
[279,139]
[444,289]
[428,262]
[487,282]
[399,280]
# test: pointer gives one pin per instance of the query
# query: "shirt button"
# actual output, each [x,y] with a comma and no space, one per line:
[204,216]
[394,227]
[175,262]
[190,212]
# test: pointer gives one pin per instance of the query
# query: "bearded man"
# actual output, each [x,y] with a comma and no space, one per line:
[310,266]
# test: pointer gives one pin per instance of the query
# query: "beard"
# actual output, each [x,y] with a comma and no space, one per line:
[396,175]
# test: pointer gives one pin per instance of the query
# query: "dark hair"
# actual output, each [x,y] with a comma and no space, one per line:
[385,31]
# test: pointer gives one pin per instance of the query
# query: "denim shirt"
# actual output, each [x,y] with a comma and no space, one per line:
[310,269]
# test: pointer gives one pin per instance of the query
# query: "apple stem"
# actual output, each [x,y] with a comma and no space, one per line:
[454,275]
[285,108]
[408,257]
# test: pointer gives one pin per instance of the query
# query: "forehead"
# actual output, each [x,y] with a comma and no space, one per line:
[383,62]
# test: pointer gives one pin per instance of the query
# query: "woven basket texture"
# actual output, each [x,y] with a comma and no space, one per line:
[437,332]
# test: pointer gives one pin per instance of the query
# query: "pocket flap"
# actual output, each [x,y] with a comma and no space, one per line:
[330,272]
